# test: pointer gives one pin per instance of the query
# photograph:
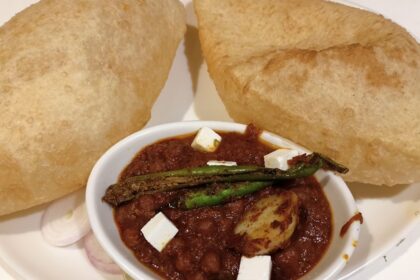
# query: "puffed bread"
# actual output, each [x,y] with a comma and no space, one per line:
[75,77]
[338,80]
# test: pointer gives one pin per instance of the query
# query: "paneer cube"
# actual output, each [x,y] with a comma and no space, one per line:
[159,231]
[224,163]
[206,140]
[258,267]
[278,158]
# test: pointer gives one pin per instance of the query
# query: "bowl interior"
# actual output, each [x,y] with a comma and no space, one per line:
[110,165]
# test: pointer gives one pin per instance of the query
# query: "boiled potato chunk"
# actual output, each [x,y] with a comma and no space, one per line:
[268,224]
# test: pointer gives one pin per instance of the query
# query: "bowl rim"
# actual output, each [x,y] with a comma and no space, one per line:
[137,271]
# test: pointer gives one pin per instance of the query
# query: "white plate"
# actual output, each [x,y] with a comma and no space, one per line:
[390,213]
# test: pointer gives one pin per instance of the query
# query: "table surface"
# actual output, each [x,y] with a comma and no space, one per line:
[402,261]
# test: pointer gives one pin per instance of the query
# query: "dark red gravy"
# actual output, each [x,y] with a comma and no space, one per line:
[202,248]
[346,226]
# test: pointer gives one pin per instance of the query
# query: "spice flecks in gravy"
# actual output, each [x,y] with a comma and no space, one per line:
[204,247]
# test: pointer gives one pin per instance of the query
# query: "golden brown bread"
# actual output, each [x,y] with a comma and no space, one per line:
[75,77]
[338,80]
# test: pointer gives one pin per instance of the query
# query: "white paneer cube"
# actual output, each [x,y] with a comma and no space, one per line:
[258,267]
[278,158]
[224,163]
[206,140]
[159,231]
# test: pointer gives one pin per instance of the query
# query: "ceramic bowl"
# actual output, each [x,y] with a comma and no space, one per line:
[110,165]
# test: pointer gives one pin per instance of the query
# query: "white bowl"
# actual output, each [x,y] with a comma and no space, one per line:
[110,165]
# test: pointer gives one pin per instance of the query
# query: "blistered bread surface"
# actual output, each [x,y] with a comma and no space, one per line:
[338,80]
[76,76]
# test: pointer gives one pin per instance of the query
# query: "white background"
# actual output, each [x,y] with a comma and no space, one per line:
[403,260]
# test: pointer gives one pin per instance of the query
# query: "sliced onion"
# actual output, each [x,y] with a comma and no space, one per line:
[98,257]
[65,221]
